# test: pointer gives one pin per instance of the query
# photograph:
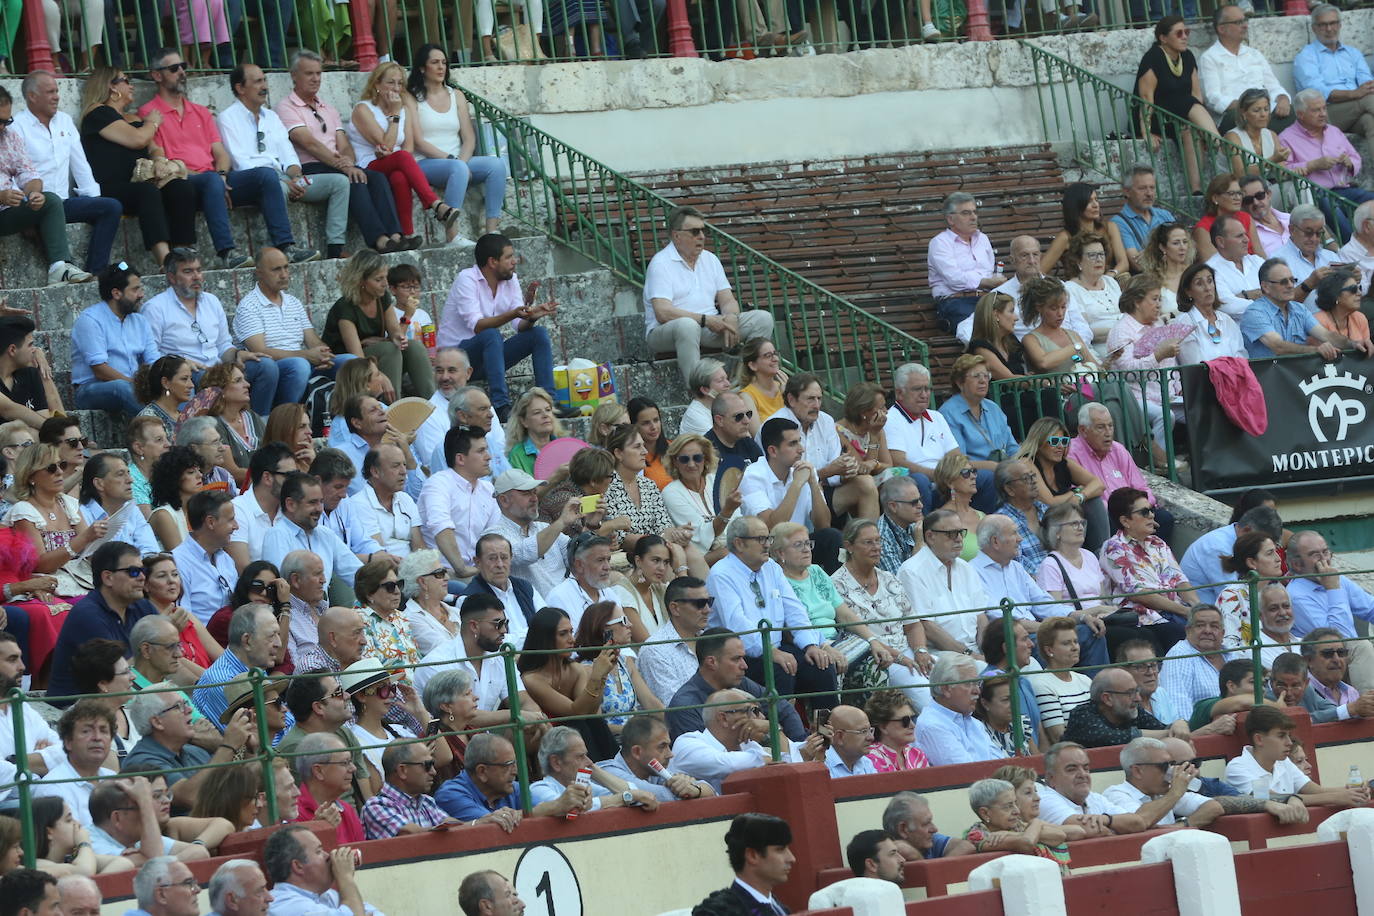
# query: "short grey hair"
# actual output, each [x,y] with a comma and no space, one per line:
[1321,9]
[949,666]
[294,563]
[150,877]
[701,373]
[985,791]
[1134,753]
[149,702]
[1363,213]
[481,750]
[895,487]
[1085,413]
[192,431]
[738,528]
[445,687]
[459,402]
[990,526]
[899,809]
[1128,179]
[953,201]
[1052,755]
[30,84]
[67,881]
[1263,519]
[314,748]
[555,743]
[1304,99]
[415,564]
[1303,213]
[729,695]
[244,622]
[226,879]
[297,56]
[147,630]
[905,371]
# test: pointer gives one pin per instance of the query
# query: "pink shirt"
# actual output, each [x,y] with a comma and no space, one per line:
[296,113]
[187,136]
[885,758]
[1115,469]
[16,170]
[470,300]
[1332,142]
[956,266]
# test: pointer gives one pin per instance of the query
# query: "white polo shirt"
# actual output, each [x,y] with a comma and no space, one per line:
[924,440]
[392,525]
[570,597]
[253,521]
[692,289]
[1245,769]
[489,684]
[1131,798]
[1056,809]
[761,491]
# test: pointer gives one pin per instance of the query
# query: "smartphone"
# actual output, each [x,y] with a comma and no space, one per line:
[432,729]
[589,503]
[820,724]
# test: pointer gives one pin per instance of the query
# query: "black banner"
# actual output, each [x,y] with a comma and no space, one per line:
[1321,424]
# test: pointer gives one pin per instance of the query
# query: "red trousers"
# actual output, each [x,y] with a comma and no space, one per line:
[401,169]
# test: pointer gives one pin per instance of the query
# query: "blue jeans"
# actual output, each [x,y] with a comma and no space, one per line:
[103,214]
[115,396]
[491,354]
[954,309]
[248,186]
[271,380]
[269,45]
[453,174]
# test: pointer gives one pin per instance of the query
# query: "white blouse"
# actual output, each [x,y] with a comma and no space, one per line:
[1099,307]
[363,151]
[425,630]
[1200,346]
[441,129]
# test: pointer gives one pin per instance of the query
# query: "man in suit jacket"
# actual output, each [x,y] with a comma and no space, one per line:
[518,596]
[759,847]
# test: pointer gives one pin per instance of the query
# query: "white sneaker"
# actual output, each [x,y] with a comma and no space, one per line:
[64,272]
[929,31]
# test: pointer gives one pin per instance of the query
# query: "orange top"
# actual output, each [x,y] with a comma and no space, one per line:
[765,405]
[1358,324]
[657,471]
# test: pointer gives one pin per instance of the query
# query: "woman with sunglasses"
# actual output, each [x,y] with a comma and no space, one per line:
[563,688]
[177,476]
[162,587]
[1338,304]
[1167,77]
[894,733]
[51,520]
[653,564]
[424,583]
[1217,333]
[760,380]
[956,483]
[385,629]
[607,416]
[1063,480]
[1071,572]
[164,387]
[261,583]
[1137,561]
[691,496]
[625,691]
[373,694]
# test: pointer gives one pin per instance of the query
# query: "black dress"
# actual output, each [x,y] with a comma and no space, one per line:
[1172,93]
[166,214]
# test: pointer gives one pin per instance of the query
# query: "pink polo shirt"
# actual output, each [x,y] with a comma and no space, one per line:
[187,136]
[1332,143]
[470,300]
[1115,469]
[296,113]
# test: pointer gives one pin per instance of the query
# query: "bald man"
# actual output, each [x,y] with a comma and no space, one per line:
[80,896]
[850,736]
[342,641]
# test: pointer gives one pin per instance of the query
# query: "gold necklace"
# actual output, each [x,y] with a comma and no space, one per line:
[1175,69]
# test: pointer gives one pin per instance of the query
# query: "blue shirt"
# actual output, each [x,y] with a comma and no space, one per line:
[937,847]
[837,768]
[136,529]
[946,736]
[1135,229]
[1012,581]
[290,900]
[90,618]
[549,789]
[208,580]
[653,783]
[461,798]
[285,536]
[356,448]
[1263,316]
[347,522]
[1032,551]
[1315,606]
[744,597]
[1324,69]
[210,700]
[1202,564]
[979,438]
[100,338]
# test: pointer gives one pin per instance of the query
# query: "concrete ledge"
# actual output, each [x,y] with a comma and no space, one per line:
[1195,514]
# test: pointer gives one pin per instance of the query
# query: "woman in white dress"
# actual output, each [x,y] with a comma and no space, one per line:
[707,380]
[52,520]
[1093,292]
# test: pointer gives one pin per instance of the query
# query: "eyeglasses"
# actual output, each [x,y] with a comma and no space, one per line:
[191,884]
[119,79]
[179,704]
[336,763]
[1095,255]
[172,646]
[698,458]
[171,68]
[968,473]
[6,122]
[903,721]
[1163,765]
[133,572]
[504,765]
[262,142]
[1144,666]
[1350,289]
[765,540]
[1024,478]
[698,603]
[1334,653]
[1235,193]
[73,442]
[1286,281]
[1076,524]
[1240,21]
[1143,511]
[746,414]
[19,445]
[695,230]
[1133,692]
[798,545]
[954,534]
[54,468]
[384,690]
[854,731]
[392,586]
[1058,441]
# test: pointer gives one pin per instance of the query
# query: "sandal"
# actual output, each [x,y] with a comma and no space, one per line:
[445,214]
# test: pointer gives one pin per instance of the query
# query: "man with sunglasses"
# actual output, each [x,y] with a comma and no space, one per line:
[163,717]
[1271,224]
[670,660]
[1275,325]
[1327,666]
[1303,252]
[735,727]
[404,805]
[735,448]
[687,297]
[937,580]
[320,706]
[1328,599]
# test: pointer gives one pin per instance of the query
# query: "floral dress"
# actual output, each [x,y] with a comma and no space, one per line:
[878,611]
[1234,603]
[885,759]
[389,639]
[70,575]
[1141,566]
[618,701]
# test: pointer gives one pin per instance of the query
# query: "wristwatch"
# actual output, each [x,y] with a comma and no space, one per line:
[628,797]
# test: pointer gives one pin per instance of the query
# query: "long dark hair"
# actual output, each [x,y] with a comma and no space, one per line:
[148,379]
[638,406]
[164,482]
[251,572]
[46,812]
[1185,298]
[1076,198]
[542,635]
[415,83]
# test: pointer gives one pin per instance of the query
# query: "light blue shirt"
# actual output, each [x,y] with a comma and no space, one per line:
[210,700]
[1187,680]
[1202,562]
[1135,229]
[837,767]
[1315,606]
[136,529]
[652,784]
[1012,581]
[290,900]
[204,338]
[207,580]
[1324,69]
[744,597]
[946,736]
[348,523]
[548,789]
[979,438]
[356,448]
[1263,316]
[285,536]
[100,338]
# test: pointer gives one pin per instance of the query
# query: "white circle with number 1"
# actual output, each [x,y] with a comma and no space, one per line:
[546,882]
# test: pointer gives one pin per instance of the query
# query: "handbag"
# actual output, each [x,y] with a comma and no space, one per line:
[159,171]
[517,42]
[852,646]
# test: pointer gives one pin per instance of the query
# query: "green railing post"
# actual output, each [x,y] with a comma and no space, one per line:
[522,767]
[770,689]
[1252,579]
[265,749]
[21,780]
[1018,734]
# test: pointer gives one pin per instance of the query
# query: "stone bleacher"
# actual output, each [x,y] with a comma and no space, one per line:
[860,227]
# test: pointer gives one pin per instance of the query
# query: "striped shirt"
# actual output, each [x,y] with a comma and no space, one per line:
[283,325]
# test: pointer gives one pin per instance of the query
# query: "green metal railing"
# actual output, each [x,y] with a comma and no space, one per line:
[620,223]
[1101,123]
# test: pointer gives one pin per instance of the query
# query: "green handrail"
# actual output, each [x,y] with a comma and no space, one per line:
[1100,121]
[621,224]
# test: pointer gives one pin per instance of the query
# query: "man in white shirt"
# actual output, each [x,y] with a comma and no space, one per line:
[87,731]
[946,731]
[272,322]
[361,426]
[1067,796]
[781,487]
[298,528]
[919,437]
[731,741]
[1265,759]
[1304,253]
[1237,273]
[1025,261]
[256,138]
[54,145]
[308,880]
[938,581]
[1230,66]
[589,578]
[1360,249]
[539,550]
[687,298]
[256,510]
[451,373]
[37,731]
[457,504]
[470,406]
[382,507]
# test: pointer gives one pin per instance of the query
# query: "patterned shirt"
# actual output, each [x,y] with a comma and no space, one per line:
[885,759]
[649,517]
[391,809]
[16,170]
[389,639]
[1141,566]
[897,545]
[1090,728]
[1032,552]
[880,609]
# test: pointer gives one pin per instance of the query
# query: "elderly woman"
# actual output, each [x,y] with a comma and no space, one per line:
[1092,291]
[177,476]
[1063,480]
[373,696]
[1000,827]
[861,428]
[956,484]
[1140,307]
[625,691]
[1216,333]
[1254,552]
[290,423]
[760,380]
[1051,347]
[1139,564]
[874,605]
[424,583]
[691,496]
[1253,135]
[1168,253]
[450,699]
[978,424]
[648,419]
[1083,215]
[1223,199]
[894,733]
[633,496]
[202,434]
[385,628]
[51,520]
[532,426]
[708,379]
[1338,304]
[361,322]
[1167,77]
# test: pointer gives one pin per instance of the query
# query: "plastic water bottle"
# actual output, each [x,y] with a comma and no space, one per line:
[1259,786]
[583,778]
[1354,780]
